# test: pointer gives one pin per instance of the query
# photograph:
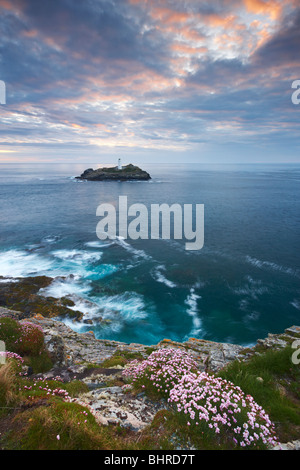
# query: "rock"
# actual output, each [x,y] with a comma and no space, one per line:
[127,173]
[223,354]
[5,312]
[26,295]
[56,348]
[112,405]
[294,445]
[293,331]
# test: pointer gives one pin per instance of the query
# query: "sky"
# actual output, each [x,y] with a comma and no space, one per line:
[149,81]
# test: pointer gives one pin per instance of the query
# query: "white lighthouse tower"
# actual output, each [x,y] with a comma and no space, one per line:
[119,164]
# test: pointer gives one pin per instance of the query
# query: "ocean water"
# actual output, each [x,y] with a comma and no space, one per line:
[243,284]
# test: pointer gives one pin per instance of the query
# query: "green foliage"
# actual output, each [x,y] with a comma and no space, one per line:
[121,358]
[131,355]
[26,340]
[75,388]
[40,363]
[31,341]
[10,333]
[61,426]
[114,361]
[21,338]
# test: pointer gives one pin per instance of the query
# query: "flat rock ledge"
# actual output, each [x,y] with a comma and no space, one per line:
[80,356]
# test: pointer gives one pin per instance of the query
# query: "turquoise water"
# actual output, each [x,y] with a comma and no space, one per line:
[241,285]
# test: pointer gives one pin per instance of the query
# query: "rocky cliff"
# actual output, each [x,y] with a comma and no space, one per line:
[98,363]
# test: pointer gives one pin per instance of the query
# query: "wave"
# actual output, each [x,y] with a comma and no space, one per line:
[295,303]
[98,244]
[16,263]
[51,239]
[253,288]
[137,253]
[66,287]
[116,311]
[7,280]
[159,277]
[78,256]
[20,263]
[192,310]
[272,266]
[128,306]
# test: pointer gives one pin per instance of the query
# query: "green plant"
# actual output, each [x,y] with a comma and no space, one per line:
[10,333]
[40,363]
[31,340]
[59,425]
[7,384]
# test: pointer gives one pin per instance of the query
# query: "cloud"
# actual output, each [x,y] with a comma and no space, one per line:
[142,74]
[283,47]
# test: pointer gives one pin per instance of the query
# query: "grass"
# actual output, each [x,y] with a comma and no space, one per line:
[8,388]
[274,382]
[57,425]
[39,364]
[121,358]
[26,340]
[114,361]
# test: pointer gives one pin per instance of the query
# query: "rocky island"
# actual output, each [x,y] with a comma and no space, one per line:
[118,173]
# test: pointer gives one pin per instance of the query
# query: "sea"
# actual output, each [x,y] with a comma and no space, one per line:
[241,285]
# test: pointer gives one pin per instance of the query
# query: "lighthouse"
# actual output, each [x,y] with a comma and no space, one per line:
[119,164]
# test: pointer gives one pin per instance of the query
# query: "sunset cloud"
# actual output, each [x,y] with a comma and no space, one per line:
[141,74]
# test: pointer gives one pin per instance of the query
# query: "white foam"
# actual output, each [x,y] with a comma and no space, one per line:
[159,277]
[295,303]
[253,289]
[273,266]
[192,310]
[78,256]
[66,287]
[51,239]
[19,263]
[124,308]
[88,308]
[137,253]
[98,244]
[129,306]
[101,271]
